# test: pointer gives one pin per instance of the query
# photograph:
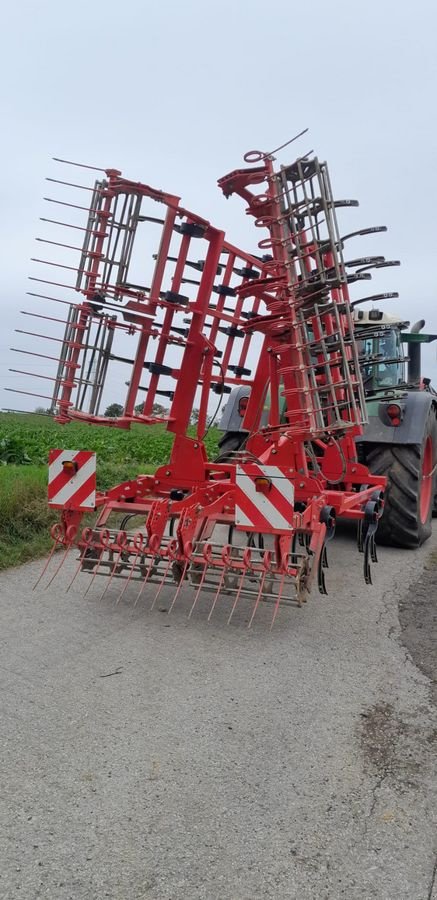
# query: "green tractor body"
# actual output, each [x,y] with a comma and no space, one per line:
[400,439]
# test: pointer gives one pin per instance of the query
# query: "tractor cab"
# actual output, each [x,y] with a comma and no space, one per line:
[380,349]
[385,347]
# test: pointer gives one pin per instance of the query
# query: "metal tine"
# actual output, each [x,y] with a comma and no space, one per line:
[151,564]
[29,393]
[258,597]
[104,540]
[68,225]
[82,187]
[225,557]
[199,588]
[177,592]
[71,205]
[61,284]
[237,595]
[36,375]
[58,244]
[47,262]
[32,353]
[56,541]
[161,585]
[116,562]
[87,545]
[69,162]
[138,543]
[64,557]
[278,599]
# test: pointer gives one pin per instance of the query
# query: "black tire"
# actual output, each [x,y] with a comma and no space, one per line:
[231,441]
[403,524]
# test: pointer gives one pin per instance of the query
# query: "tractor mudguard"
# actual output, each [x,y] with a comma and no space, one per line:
[415,408]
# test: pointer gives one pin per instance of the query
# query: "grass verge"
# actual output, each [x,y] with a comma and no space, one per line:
[25,517]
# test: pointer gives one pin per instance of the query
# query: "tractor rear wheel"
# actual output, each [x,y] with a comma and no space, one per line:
[411,485]
[231,441]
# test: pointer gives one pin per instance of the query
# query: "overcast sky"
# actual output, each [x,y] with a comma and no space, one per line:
[173,93]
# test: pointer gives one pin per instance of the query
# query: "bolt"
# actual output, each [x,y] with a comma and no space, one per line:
[168,472]
[196,446]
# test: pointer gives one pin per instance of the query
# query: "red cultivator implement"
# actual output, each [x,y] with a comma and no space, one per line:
[168,302]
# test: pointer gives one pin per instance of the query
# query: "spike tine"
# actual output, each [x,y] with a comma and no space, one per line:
[237,596]
[216,596]
[78,568]
[69,162]
[161,585]
[199,588]
[127,582]
[64,557]
[278,599]
[47,563]
[147,576]
[114,566]
[258,597]
[95,570]
[184,572]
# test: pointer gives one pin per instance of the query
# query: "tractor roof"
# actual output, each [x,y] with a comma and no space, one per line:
[377,317]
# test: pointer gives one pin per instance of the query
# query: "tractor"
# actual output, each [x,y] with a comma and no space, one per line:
[400,438]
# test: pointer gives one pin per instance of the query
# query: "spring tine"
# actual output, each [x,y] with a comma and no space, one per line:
[138,542]
[115,564]
[184,572]
[86,546]
[78,568]
[64,557]
[161,585]
[278,599]
[128,579]
[47,563]
[147,576]
[261,586]
[220,585]
[237,596]
[95,571]
[104,541]
[199,588]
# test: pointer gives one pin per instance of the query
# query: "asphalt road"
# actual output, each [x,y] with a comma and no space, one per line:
[145,756]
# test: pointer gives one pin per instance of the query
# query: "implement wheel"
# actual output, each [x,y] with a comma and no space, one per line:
[411,487]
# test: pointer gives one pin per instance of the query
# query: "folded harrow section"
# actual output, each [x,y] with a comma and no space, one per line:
[158,310]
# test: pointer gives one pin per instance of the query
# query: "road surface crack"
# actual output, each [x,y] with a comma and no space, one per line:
[433,878]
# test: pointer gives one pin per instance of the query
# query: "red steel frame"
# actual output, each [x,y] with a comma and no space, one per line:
[320,380]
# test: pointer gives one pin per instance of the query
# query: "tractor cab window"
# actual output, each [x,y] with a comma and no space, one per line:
[381,357]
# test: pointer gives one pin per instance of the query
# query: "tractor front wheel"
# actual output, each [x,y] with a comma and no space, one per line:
[411,486]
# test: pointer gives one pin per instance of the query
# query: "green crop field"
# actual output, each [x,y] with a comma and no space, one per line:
[25,441]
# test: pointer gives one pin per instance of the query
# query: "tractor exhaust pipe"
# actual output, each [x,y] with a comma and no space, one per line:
[414,363]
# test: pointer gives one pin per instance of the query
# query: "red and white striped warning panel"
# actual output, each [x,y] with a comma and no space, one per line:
[72,479]
[264,499]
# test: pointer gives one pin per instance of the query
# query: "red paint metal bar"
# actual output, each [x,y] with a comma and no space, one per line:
[138,365]
[166,325]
